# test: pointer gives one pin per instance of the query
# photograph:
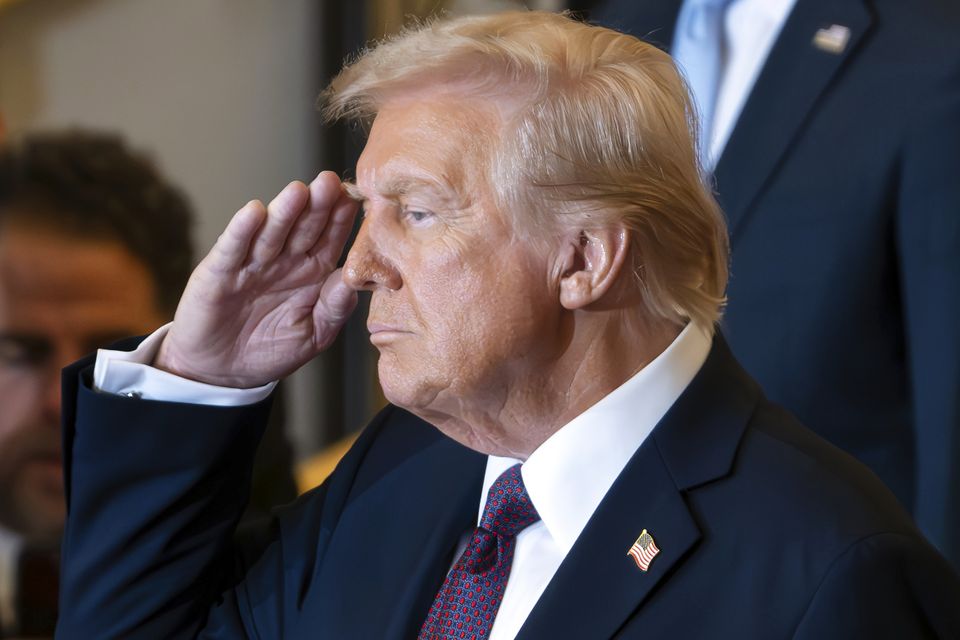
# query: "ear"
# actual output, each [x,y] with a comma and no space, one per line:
[591,263]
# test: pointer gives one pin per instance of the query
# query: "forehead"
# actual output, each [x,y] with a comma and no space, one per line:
[50,283]
[428,141]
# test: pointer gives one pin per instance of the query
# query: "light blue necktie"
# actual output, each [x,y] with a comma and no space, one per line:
[699,48]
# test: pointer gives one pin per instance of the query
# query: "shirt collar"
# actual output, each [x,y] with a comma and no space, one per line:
[568,475]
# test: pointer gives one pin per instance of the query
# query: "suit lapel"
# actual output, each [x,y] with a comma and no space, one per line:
[401,526]
[794,78]
[421,586]
[598,586]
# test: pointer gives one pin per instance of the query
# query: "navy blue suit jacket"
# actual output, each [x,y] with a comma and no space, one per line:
[765,530]
[840,184]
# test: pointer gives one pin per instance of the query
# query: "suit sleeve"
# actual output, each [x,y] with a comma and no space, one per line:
[273,483]
[154,493]
[884,586]
[928,243]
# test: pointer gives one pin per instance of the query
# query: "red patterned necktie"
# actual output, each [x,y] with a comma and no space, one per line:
[470,596]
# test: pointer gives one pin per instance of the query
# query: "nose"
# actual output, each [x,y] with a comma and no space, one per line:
[49,397]
[366,267]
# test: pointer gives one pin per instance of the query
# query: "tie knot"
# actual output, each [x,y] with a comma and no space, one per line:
[508,510]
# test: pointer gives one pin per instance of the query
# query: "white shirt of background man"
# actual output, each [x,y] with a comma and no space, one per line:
[750,27]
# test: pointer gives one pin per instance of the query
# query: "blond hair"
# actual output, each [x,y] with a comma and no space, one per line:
[601,132]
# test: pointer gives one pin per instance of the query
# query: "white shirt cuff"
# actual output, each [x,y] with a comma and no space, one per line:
[128,373]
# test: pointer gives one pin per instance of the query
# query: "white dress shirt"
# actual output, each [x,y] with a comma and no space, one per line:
[750,27]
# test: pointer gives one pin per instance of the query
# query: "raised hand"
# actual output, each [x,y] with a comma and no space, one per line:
[268,296]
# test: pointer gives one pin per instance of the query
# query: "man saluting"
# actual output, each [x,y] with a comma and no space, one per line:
[570,452]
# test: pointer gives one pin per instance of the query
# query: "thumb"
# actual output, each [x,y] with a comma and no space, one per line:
[336,302]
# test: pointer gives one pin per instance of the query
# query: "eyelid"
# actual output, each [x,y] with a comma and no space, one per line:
[408,210]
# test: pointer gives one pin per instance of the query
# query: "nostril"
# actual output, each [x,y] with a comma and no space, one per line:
[362,273]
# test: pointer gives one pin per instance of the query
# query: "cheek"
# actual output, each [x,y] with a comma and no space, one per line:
[19,401]
[14,436]
[490,312]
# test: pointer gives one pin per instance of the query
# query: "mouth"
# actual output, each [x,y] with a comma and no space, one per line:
[45,458]
[384,333]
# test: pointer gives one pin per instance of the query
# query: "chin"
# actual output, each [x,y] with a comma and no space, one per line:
[43,524]
[406,389]
[40,511]
[406,396]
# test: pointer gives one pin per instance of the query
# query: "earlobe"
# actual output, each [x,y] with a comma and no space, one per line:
[592,263]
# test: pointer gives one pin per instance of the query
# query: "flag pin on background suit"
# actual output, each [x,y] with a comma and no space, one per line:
[644,550]
[833,39]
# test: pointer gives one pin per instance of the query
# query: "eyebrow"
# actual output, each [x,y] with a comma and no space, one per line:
[398,187]
[353,191]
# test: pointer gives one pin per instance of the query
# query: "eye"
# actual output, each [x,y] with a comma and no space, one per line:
[23,351]
[417,216]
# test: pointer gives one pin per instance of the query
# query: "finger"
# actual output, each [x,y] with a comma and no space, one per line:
[330,244]
[282,212]
[230,251]
[325,191]
[336,302]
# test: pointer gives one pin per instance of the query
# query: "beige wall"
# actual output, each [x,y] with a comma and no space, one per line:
[222,91]
[387,16]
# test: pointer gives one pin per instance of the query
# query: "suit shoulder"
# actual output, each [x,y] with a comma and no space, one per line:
[883,582]
[808,487]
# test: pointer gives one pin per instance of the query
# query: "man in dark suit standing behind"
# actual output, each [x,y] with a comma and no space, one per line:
[546,267]
[835,146]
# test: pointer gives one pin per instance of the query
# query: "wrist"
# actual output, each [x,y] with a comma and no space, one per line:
[172,359]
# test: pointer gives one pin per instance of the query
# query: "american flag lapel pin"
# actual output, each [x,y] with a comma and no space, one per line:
[644,550]
[833,39]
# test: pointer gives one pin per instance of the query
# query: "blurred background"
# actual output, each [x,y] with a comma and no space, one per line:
[221,94]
